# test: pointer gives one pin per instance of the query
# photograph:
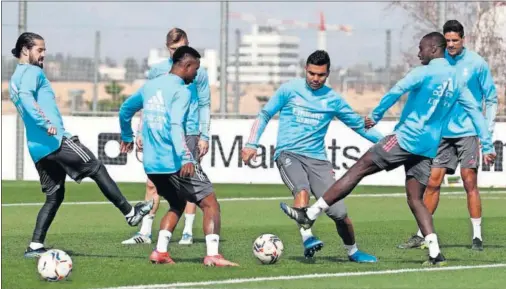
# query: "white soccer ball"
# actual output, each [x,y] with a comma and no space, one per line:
[54,265]
[268,248]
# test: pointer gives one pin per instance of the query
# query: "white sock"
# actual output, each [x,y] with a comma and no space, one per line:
[476,228]
[131,214]
[316,209]
[352,249]
[147,224]
[35,246]
[163,241]
[188,223]
[419,234]
[431,241]
[306,234]
[212,243]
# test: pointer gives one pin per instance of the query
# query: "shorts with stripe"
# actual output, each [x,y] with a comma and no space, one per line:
[72,158]
[315,176]
[389,155]
[177,190]
[452,151]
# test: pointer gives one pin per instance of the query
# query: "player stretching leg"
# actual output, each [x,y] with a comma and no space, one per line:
[55,152]
[460,143]
[306,109]
[197,138]
[434,90]
[168,162]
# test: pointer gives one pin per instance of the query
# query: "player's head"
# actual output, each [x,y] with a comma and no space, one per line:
[30,48]
[175,39]
[454,34]
[186,62]
[317,69]
[431,46]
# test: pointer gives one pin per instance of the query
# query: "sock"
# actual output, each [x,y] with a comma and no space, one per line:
[431,240]
[131,214]
[306,234]
[419,234]
[212,243]
[188,223]
[35,246]
[163,241]
[476,228]
[147,224]
[352,249]
[315,210]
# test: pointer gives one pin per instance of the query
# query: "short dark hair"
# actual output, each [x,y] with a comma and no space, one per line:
[27,40]
[175,35]
[437,39]
[319,58]
[453,26]
[184,51]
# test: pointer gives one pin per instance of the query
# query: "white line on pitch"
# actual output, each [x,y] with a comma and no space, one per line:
[308,276]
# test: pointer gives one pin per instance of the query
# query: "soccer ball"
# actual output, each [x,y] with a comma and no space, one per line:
[54,265]
[268,248]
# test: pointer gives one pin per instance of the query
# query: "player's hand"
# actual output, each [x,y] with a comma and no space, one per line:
[138,143]
[203,148]
[188,170]
[51,130]
[247,154]
[126,147]
[369,122]
[489,159]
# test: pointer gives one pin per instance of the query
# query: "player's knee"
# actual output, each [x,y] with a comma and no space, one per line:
[56,198]
[209,202]
[337,214]
[470,184]
[150,187]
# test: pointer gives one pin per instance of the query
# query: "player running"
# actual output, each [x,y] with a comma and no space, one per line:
[197,138]
[434,89]
[306,109]
[55,152]
[168,162]
[460,143]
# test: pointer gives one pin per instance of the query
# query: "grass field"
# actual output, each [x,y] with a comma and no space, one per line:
[92,233]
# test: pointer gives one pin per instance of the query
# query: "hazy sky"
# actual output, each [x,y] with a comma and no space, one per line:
[132,28]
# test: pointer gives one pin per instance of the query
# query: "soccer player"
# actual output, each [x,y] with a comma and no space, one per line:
[55,152]
[434,89]
[197,137]
[306,109]
[167,160]
[460,142]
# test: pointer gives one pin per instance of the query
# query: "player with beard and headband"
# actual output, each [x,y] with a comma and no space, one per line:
[55,152]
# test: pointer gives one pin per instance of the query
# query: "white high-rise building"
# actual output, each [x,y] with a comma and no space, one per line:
[266,57]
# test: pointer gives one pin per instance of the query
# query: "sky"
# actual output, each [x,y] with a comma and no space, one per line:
[130,29]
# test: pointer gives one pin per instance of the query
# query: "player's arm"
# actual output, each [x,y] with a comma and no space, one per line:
[270,109]
[471,106]
[28,106]
[204,96]
[411,81]
[354,121]
[177,110]
[126,112]
[489,91]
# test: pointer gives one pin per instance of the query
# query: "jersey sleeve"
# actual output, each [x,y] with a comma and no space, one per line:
[490,94]
[353,120]
[127,111]
[27,104]
[180,105]
[410,82]
[204,103]
[270,109]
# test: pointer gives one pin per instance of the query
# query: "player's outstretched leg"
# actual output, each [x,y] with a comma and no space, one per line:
[189,218]
[144,235]
[44,219]
[338,191]
[111,191]
[212,227]
[431,201]
[470,179]
[415,190]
